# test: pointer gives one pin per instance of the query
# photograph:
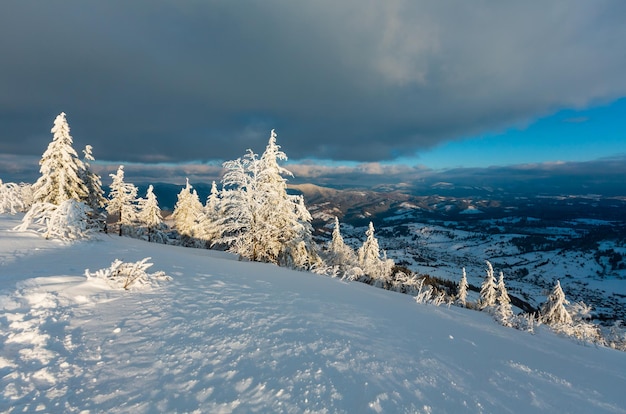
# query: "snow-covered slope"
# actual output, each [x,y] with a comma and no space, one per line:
[230,336]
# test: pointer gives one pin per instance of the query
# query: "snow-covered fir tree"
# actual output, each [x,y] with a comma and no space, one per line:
[122,202]
[369,259]
[261,221]
[60,169]
[286,215]
[553,311]
[504,311]
[301,251]
[208,229]
[241,229]
[488,289]
[188,212]
[95,197]
[338,252]
[149,217]
[462,290]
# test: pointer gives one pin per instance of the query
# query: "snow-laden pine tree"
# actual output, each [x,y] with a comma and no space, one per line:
[149,216]
[122,202]
[286,215]
[60,169]
[188,212]
[301,252]
[378,268]
[504,311]
[338,252]
[462,290]
[553,311]
[261,222]
[488,289]
[241,224]
[95,197]
[208,228]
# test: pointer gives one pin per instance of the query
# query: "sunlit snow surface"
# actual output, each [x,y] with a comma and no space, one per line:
[230,336]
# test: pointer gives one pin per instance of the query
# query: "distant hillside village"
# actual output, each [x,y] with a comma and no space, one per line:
[252,215]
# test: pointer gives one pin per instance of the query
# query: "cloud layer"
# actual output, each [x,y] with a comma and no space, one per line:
[168,81]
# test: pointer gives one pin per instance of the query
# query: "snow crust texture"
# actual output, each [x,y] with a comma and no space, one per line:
[228,336]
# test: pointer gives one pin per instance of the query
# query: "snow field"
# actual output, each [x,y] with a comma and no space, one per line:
[230,336]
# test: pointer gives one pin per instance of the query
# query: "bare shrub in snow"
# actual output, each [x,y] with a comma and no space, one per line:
[429,295]
[353,273]
[122,275]
[406,282]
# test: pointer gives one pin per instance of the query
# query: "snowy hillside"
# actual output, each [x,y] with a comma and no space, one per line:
[230,336]
[534,240]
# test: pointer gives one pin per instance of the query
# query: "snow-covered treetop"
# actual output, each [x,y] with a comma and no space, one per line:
[60,168]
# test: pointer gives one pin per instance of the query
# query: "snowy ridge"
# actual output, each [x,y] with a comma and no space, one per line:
[231,336]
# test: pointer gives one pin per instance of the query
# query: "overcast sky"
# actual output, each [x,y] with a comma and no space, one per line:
[353,80]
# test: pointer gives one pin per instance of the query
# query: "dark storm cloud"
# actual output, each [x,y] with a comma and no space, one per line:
[169,81]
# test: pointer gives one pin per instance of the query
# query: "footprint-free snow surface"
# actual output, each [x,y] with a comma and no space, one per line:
[230,336]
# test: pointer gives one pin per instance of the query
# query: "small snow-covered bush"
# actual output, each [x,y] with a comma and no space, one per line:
[615,336]
[429,295]
[69,221]
[14,198]
[128,276]
[579,326]
[406,282]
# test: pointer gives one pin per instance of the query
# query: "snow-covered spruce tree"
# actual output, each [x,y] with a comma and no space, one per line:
[261,222]
[60,169]
[504,311]
[488,289]
[122,202]
[188,213]
[95,198]
[241,224]
[149,217]
[570,320]
[369,259]
[339,257]
[461,298]
[286,215]
[208,228]
[301,252]
[553,311]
